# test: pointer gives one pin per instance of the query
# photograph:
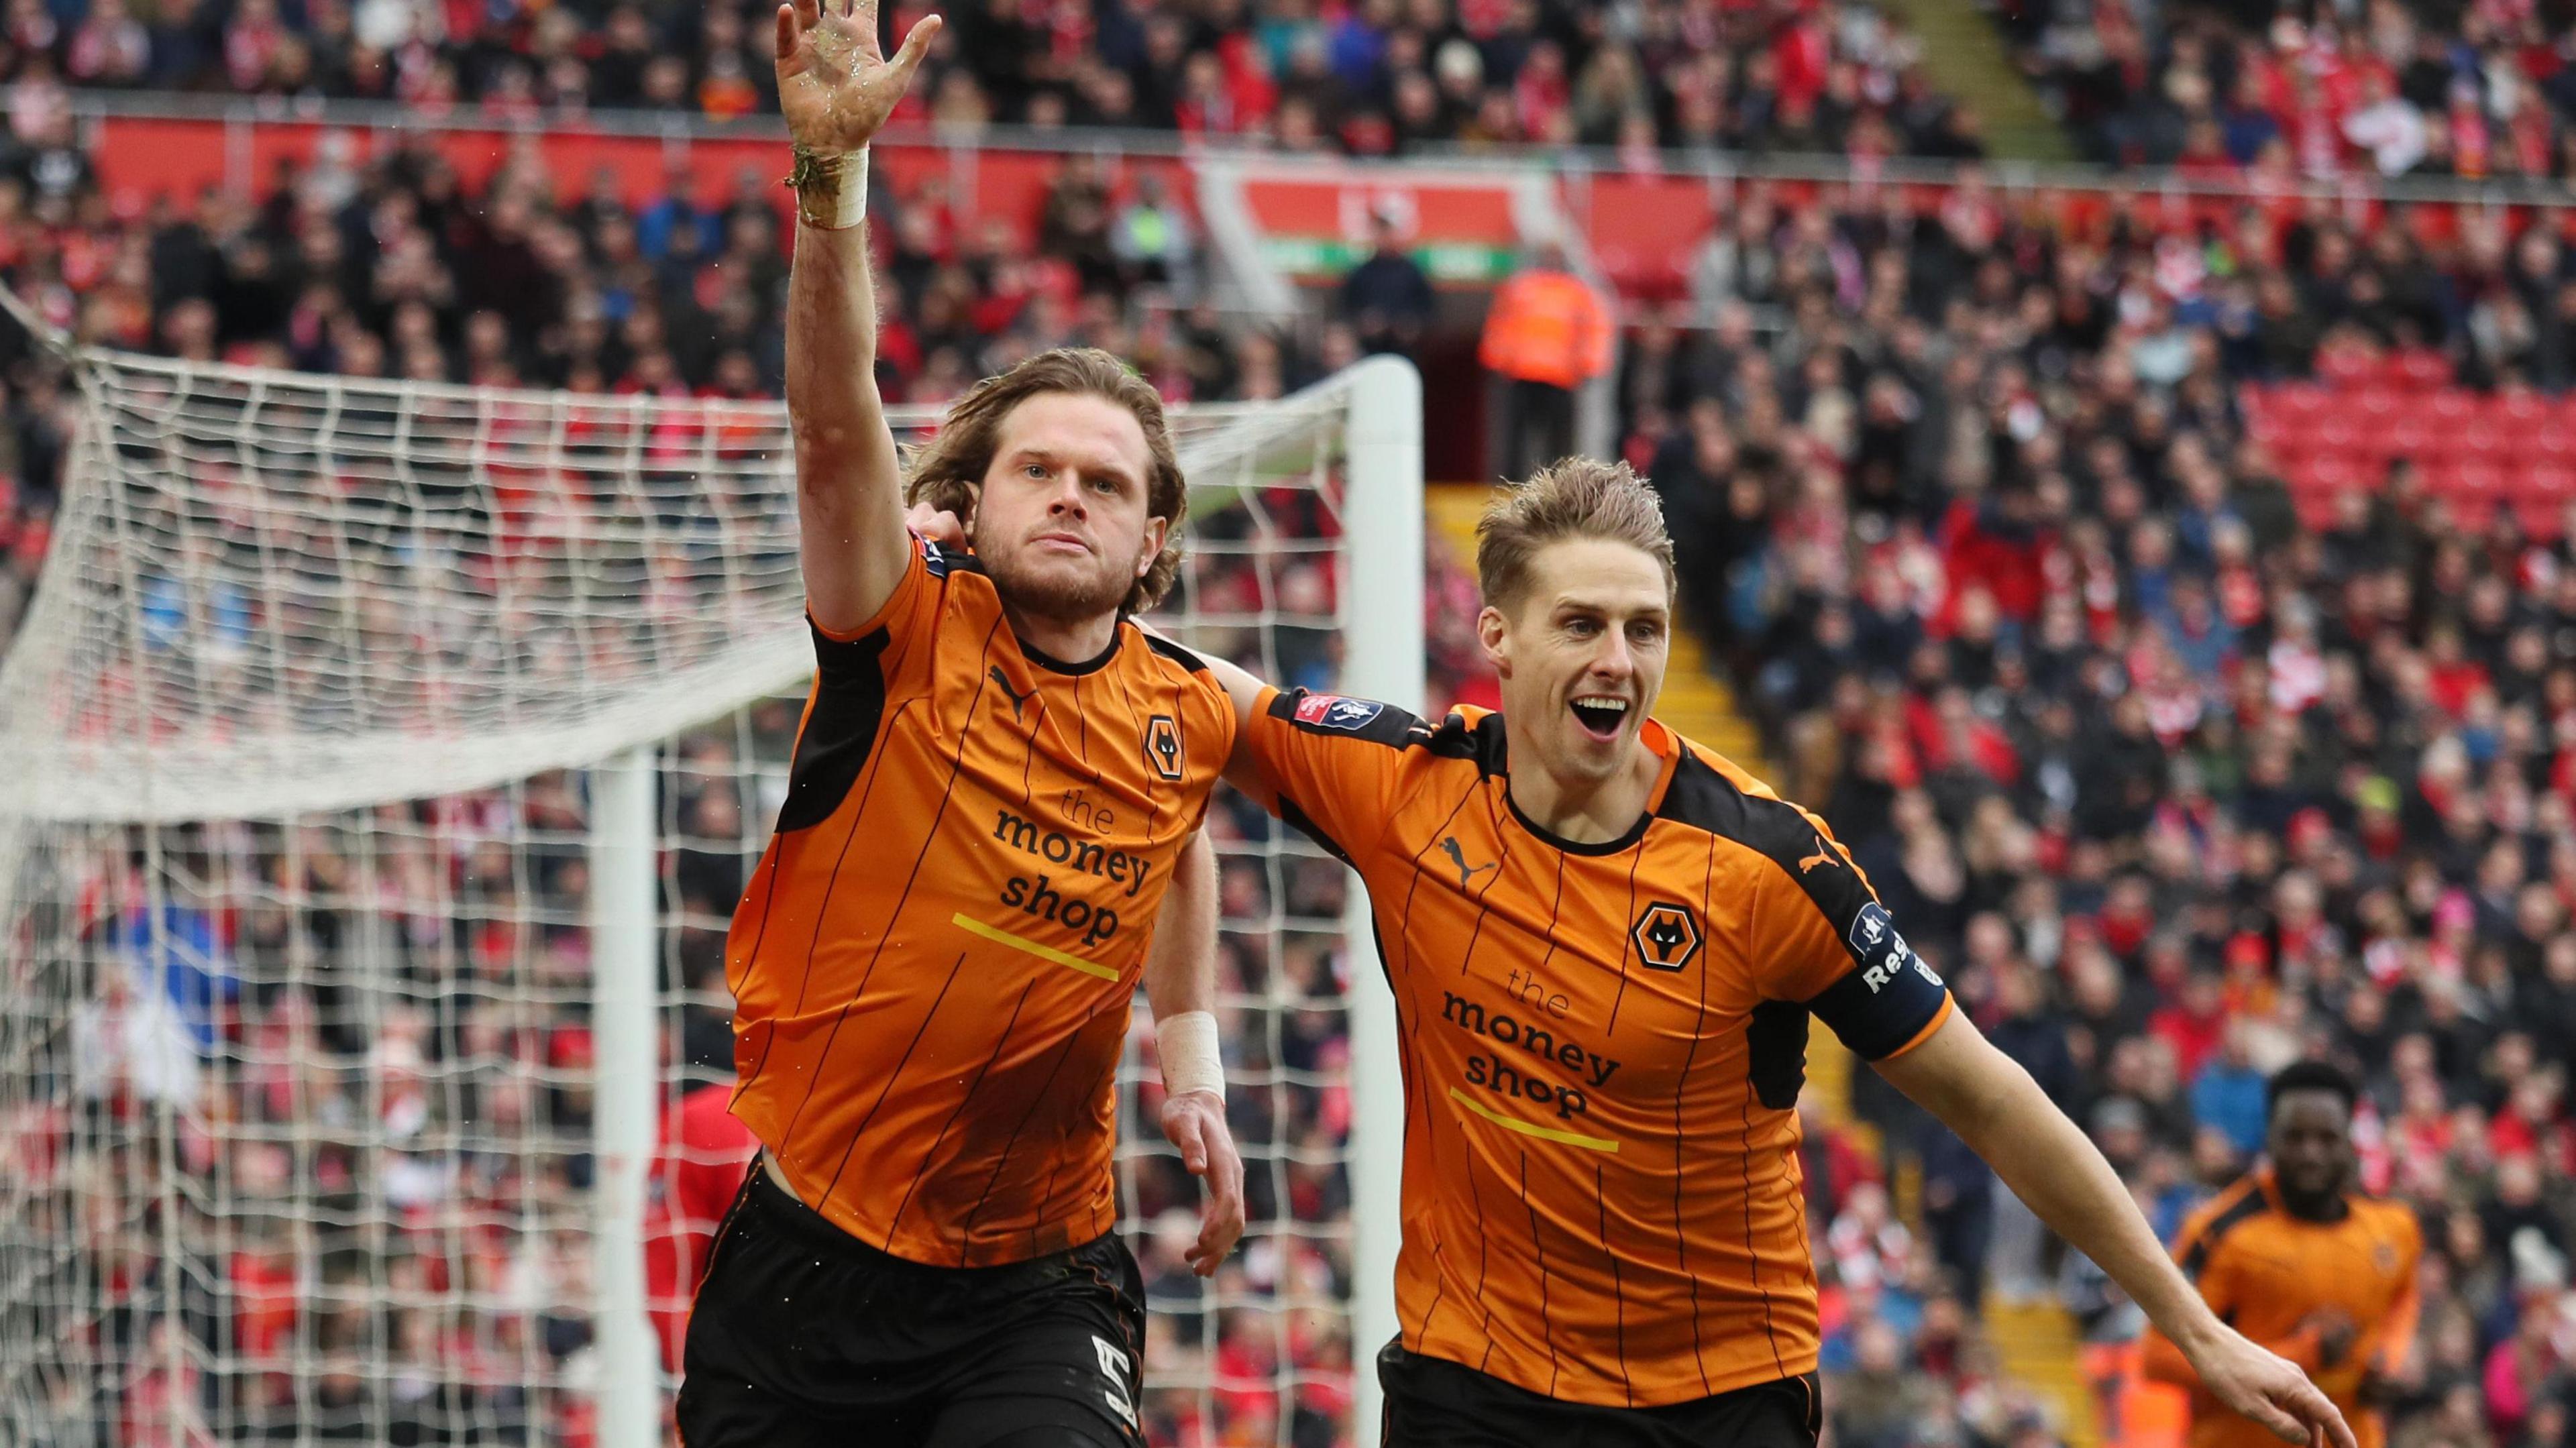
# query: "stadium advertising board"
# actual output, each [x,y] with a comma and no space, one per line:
[180,156]
[1462,228]
[1305,221]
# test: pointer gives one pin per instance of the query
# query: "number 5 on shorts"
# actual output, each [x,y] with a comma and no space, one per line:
[1114,1367]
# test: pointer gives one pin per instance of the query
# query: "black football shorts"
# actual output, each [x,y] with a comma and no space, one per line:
[1434,1403]
[805,1337]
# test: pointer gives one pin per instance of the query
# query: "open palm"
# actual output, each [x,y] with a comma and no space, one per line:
[834,82]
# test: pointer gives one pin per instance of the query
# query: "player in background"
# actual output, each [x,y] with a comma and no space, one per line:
[1605,942]
[2299,1260]
[995,795]
[695,1180]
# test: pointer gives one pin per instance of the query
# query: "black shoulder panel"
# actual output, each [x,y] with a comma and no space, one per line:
[1890,995]
[1704,799]
[1177,654]
[1483,742]
[2195,1259]
[833,748]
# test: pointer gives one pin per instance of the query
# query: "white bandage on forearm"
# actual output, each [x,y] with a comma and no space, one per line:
[831,187]
[1187,1044]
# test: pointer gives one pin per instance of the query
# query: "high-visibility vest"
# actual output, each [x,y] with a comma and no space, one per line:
[1547,326]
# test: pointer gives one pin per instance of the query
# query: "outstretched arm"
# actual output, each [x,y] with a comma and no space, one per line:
[2001,1113]
[1180,984]
[837,88]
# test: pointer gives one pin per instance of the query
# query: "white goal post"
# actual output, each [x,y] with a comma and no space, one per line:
[379,756]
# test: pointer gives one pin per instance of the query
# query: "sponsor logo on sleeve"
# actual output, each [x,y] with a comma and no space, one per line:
[1881,952]
[1332,711]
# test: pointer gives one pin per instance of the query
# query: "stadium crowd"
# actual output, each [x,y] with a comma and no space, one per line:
[2175,775]
[1367,78]
[2277,92]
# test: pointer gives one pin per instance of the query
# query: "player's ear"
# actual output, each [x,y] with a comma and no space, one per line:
[1492,633]
[1156,529]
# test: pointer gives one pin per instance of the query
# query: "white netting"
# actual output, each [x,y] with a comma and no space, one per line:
[296,1081]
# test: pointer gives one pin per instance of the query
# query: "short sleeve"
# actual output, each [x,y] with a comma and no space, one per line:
[1825,941]
[855,673]
[898,633]
[1330,764]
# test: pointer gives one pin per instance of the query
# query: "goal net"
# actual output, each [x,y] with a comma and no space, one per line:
[384,761]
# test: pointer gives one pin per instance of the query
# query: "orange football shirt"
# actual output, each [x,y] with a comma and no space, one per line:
[2266,1272]
[933,965]
[1602,1048]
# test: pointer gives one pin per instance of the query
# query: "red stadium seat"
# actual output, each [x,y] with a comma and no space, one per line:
[2449,410]
[2327,474]
[2469,483]
[2473,438]
[2349,367]
[2408,435]
[2420,369]
[2292,432]
[2551,445]
[2518,412]
[2548,484]
[2296,400]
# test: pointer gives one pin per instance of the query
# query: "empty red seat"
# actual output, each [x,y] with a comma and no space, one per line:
[2473,438]
[2291,400]
[2449,410]
[2420,368]
[2408,435]
[2519,411]
[2312,436]
[2550,483]
[2540,519]
[2348,366]
[2467,481]
[2550,445]
[2325,474]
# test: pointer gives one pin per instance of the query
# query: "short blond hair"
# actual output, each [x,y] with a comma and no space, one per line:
[1574,497]
[947,470]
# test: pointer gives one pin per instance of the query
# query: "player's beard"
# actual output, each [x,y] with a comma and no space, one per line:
[1063,589]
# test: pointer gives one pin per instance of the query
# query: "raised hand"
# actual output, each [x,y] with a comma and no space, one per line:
[2270,1390]
[928,520]
[834,82]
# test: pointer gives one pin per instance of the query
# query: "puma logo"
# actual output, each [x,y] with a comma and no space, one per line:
[1822,856]
[1458,857]
[1017,698]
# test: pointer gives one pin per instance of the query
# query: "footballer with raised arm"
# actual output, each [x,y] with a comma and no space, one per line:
[994,799]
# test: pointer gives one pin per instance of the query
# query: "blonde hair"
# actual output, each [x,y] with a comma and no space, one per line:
[1575,497]
[947,470]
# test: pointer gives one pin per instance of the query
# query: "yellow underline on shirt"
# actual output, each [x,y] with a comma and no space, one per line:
[973,926]
[1543,1133]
